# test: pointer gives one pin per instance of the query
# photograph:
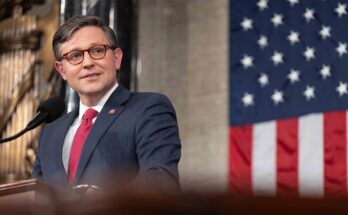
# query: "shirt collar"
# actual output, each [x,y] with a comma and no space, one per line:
[98,107]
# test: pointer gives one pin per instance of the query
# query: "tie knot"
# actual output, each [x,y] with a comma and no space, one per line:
[90,114]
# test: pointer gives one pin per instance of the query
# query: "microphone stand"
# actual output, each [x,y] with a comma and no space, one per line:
[46,113]
[14,136]
[38,119]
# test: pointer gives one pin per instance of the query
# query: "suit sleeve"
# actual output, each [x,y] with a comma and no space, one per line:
[158,144]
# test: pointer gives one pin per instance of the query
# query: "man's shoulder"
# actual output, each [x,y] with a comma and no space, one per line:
[148,96]
[146,99]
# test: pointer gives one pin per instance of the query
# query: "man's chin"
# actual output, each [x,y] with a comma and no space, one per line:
[91,92]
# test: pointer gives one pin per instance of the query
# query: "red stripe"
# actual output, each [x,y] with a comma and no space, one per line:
[287,157]
[240,160]
[335,160]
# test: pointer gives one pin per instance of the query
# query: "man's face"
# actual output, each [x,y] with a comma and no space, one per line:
[91,79]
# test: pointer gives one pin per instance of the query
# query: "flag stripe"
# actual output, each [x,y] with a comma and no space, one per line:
[335,160]
[311,156]
[264,157]
[240,160]
[346,150]
[287,157]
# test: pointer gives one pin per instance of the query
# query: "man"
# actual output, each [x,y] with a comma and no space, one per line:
[114,138]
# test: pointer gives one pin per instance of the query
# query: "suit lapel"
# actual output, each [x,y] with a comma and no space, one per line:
[58,146]
[111,110]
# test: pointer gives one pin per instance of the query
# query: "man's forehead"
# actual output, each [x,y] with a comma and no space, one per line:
[84,38]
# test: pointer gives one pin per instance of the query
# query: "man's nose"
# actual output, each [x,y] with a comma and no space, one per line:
[87,59]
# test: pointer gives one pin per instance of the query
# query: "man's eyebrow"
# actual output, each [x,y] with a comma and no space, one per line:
[91,45]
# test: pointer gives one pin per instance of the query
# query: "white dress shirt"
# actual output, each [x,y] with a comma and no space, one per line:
[74,126]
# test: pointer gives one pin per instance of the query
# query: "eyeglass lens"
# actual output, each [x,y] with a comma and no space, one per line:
[96,52]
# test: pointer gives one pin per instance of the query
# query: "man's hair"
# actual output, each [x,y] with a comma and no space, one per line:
[75,23]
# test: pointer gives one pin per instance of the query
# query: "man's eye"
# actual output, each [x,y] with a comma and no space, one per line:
[74,55]
[97,50]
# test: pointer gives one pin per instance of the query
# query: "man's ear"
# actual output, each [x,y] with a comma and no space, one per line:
[59,67]
[118,58]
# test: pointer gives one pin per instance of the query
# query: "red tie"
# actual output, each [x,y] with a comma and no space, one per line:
[79,139]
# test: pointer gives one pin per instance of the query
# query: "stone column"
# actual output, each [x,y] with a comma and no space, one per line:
[183,53]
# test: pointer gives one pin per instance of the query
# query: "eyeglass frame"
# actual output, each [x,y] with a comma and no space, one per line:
[106,47]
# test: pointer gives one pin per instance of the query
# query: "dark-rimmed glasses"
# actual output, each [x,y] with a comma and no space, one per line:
[76,56]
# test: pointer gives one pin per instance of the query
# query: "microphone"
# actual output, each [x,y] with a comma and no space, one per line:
[48,111]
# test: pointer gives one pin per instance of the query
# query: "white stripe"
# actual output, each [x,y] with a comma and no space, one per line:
[311,156]
[264,158]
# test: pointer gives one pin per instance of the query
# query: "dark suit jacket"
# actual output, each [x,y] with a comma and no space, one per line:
[137,144]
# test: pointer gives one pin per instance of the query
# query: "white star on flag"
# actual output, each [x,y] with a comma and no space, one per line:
[293,2]
[325,32]
[262,4]
[325,71]
[342,88]
[294,76]
[293,37]
[263,79]
[248,99]
[277,58]
[277,97]
[309,92]
[309,53]
[247,24]
[263,41]
[247,61]
[309,15]
[341,49]
[341,9]
[277,20]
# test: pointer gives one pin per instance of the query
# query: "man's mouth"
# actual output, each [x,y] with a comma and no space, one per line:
[92,75]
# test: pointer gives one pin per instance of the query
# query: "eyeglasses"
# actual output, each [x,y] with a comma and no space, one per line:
[96,52]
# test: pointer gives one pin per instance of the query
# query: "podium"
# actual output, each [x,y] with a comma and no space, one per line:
[28,191]
[34,197]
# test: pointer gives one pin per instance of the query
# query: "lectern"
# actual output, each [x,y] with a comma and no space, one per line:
[30,190]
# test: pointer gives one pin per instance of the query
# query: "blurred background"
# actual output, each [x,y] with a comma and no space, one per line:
[175,47]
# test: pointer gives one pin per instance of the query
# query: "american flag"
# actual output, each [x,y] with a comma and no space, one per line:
[288,97]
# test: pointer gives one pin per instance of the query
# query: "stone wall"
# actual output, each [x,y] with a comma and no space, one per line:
[183,53]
